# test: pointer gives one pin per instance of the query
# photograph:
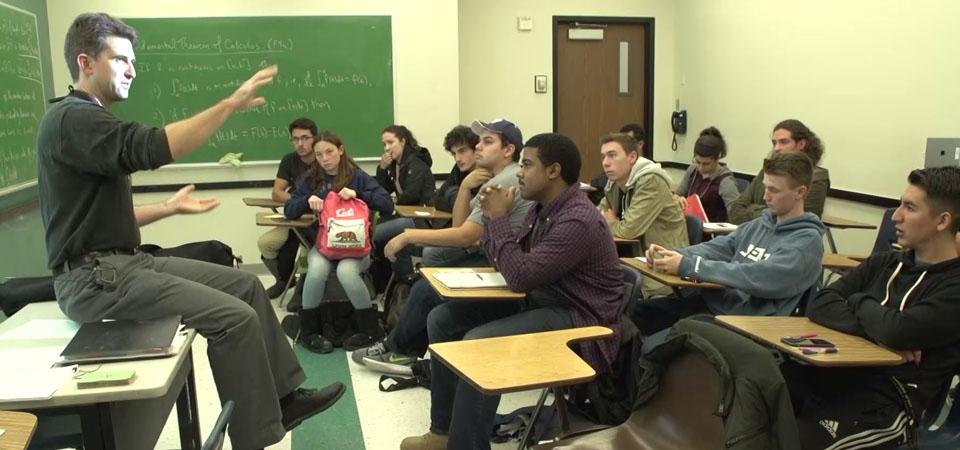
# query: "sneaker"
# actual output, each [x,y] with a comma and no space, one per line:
[378,351]
[303,404]
[388,368]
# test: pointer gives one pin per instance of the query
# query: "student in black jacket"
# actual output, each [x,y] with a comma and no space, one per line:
[404,170]
[908,301]
[461,142]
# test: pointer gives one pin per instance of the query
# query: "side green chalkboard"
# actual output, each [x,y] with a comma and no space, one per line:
[336,70]
[21,96]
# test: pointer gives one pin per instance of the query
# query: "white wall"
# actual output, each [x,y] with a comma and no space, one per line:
[873,78]
[498,62]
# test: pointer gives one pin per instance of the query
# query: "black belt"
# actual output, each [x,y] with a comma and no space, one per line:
[89,258]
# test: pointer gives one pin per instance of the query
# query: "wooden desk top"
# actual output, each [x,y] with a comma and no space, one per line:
[834,261]
[19,428]
[521,362]
[430,212]
[266,219]
[853,350]
[154,377]
[471,294]
[262,202]
[673,281]
[621,240]
[841,223]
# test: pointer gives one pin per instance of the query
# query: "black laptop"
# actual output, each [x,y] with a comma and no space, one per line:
[119,340]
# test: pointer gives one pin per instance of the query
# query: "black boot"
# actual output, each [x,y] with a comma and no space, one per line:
[370,331]
[310,337]
[277,288]
[296,300]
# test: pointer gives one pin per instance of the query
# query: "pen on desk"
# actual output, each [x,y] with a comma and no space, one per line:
[478,276]
[810,351]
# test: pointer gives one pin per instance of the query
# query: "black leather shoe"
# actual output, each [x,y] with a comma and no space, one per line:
[303,404]
[315,343]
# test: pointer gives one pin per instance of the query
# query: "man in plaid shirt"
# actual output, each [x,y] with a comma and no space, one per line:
[563,257]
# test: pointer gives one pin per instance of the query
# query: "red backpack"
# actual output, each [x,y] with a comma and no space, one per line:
[344,228]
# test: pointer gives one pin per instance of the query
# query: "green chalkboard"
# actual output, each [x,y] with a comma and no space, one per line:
[336,70]
[21,95]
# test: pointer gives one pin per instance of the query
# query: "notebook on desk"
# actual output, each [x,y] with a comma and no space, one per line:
[119,340]
[471,280]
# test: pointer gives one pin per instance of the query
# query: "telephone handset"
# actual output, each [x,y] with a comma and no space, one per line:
[678,121]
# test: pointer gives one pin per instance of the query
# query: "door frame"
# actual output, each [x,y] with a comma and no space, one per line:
[649,33]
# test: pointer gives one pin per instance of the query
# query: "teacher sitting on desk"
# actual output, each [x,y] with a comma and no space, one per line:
[86,156]
[335,171]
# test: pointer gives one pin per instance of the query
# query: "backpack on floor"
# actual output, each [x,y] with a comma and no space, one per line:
[15,293]
[344,228]
[215,252]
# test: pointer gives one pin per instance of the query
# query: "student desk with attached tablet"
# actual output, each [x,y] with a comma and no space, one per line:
[422,212]
[265,219]
[18,428]
[499,293]
[842,224]
[522,362]
[262,203]
[116,417]
[674,281]
[852,350]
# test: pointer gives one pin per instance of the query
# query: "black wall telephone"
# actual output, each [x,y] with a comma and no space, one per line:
[678,121]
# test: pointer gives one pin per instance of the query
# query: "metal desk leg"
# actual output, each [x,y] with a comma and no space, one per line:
[833,245]
[560,402]
[187,411]
[533,419]
[292,278]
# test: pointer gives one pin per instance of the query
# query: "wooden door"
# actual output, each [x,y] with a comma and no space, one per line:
[601,85]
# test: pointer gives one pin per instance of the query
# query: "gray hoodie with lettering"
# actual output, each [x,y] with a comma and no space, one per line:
[767,266]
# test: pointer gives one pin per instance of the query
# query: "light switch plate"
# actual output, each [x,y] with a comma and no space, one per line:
[540,84]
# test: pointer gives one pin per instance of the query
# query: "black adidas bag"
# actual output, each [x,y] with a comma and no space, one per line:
[215,252]
[16,293]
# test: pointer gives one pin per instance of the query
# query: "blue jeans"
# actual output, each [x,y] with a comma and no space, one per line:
[388,230]
[349,272]
[409,337]
[442,256]
[457,409]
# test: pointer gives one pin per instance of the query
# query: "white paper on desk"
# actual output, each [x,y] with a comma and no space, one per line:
[43,329]
[34,384]
[642,259]
[471,280]
[719,226]
[30,358]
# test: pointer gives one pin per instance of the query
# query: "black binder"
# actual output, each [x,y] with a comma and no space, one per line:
[121,340]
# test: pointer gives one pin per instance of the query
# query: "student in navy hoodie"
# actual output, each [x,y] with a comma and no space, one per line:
[336,171]
[768,264]
[907,301]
